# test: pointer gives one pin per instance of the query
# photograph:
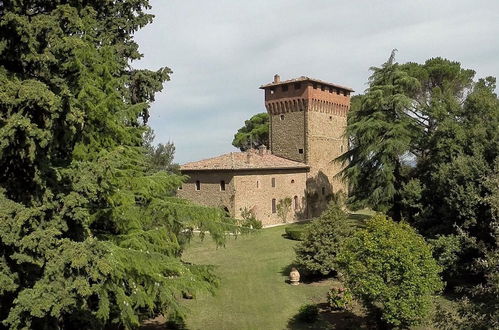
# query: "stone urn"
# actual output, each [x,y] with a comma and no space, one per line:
[294,276]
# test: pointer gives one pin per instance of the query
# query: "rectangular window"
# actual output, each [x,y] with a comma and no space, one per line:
[300,151]
[273,182]
[198,185]
[295,199]
[284,88]
[222,185]
[274,206]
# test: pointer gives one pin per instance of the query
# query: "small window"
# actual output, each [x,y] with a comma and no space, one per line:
[314,85]
[330,117]
[331,89]
[338,91]
[274,207]
[273,182]
[341,148]
[292,181]
[300,151]
[222,185]
[323,88]
[257,184]
[295,199]
[198,185]
[297,85]
[284,88]
[282,117]
[323,191]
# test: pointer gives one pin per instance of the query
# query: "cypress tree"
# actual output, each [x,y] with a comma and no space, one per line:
[89,237]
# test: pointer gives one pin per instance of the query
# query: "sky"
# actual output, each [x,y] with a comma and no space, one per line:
[221,51]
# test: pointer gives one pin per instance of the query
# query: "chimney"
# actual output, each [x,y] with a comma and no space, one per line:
[277,79]
[262,150]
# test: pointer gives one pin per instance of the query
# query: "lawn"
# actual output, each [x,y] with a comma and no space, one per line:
[254,293]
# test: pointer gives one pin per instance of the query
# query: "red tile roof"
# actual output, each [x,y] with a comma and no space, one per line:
[249,160]
[303,78]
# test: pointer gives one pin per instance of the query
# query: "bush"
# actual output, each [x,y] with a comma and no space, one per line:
[297,233]
[317,253]
[388,266]
[308,313]
[339,298]
[249,220]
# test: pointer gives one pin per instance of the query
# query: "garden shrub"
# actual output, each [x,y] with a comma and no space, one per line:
[390,268]
[296,233]
[317,253]
[249,220]
[339,298]
[308,313]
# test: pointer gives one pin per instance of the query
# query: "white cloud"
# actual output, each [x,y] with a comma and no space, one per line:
[221,51]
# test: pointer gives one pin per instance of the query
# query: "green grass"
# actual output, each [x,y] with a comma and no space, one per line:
[253,292]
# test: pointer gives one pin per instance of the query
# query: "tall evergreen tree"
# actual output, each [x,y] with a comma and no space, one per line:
[88,236]
[381,134]
[424,137]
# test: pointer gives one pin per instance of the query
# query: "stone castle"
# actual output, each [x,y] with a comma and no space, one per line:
[307,124]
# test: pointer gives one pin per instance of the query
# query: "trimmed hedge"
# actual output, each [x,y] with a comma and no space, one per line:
[296,233]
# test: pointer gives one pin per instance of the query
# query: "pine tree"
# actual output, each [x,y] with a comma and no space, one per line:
[381,134]
[88,236]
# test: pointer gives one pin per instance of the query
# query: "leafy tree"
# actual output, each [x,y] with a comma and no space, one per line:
[317,252]
[89,236]
[254,133]
[423,138]
[389,266]
[480,310]
[283,208]
[160,156]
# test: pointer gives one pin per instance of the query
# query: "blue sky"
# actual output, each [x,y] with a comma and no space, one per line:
[221,51]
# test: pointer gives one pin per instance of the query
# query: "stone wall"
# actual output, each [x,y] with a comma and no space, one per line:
[210,193]
[287,138]
[317,115]
[254,191]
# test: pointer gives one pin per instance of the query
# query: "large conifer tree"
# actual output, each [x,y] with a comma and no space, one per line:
[88,236]
[424,139]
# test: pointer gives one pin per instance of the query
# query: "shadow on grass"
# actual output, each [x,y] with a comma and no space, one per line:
[332,320]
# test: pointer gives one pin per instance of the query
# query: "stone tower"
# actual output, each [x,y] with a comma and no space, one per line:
[307,124]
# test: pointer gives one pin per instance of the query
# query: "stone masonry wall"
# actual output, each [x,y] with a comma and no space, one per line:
[254,191]
[210,193]
[317,114]
[288,135]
